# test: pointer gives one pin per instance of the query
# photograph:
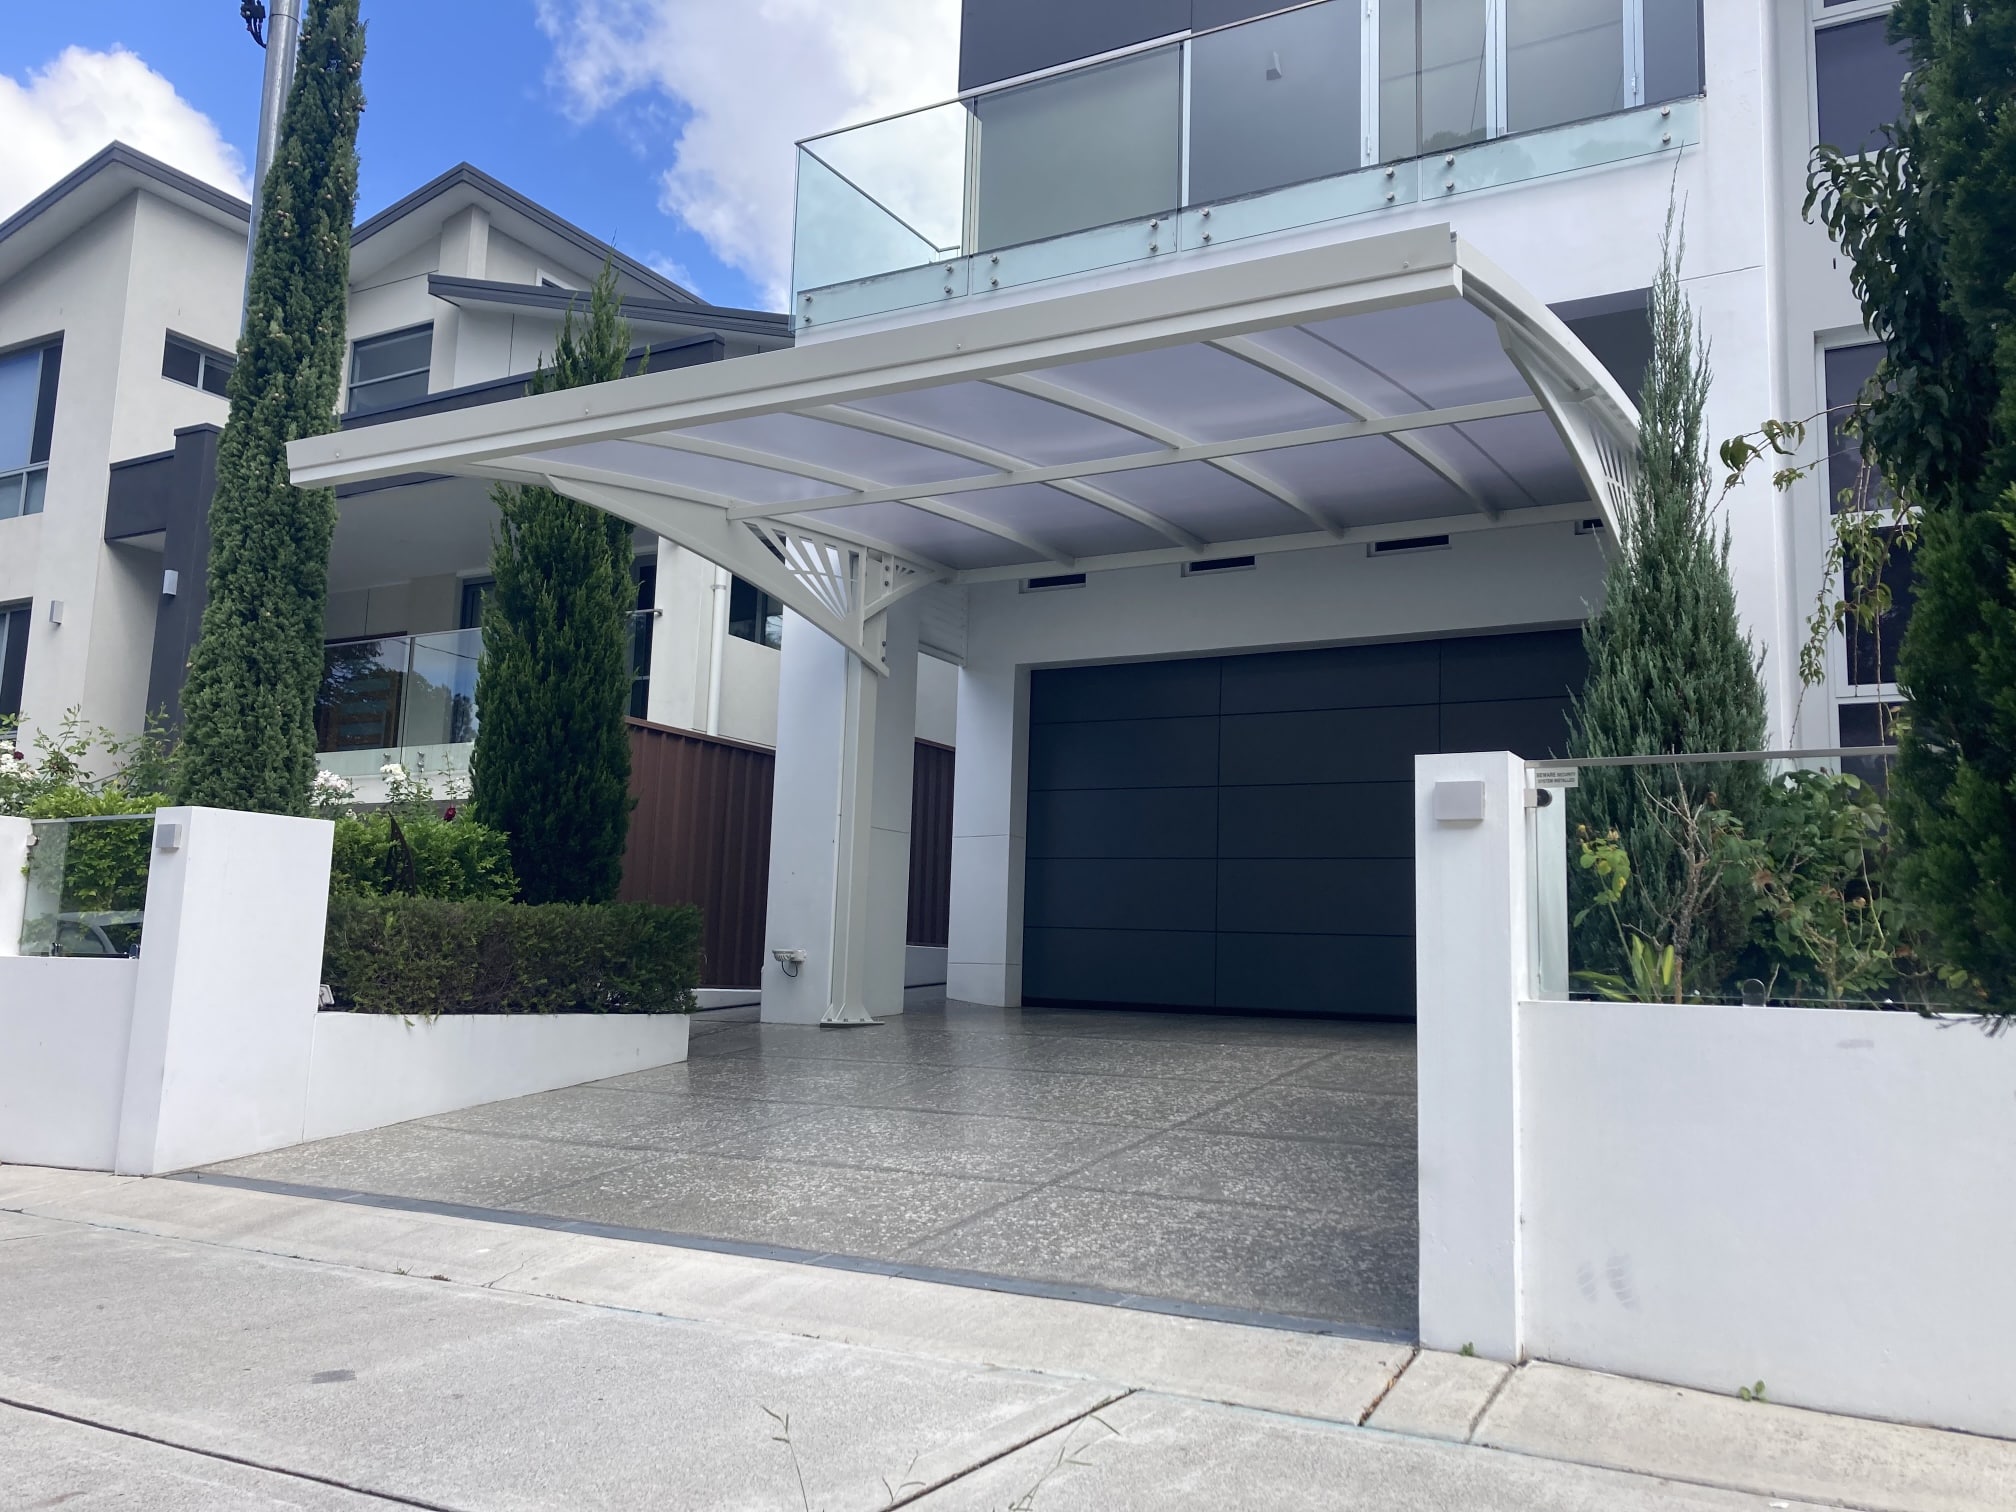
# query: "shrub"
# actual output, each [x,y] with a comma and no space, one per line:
[428,956]
[378,854]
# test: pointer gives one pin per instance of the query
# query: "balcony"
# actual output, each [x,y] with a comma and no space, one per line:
[1328,110]
[404,698]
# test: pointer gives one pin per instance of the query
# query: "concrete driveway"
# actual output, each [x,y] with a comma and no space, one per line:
[1249,1169]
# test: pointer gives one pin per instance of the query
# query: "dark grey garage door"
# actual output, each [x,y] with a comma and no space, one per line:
[1238,832]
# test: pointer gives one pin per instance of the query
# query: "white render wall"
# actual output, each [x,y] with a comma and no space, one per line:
[111,291]
[1715,1196]
[1706,1195]
[1508,578]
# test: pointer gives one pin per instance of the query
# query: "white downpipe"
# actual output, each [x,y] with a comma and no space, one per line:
[718,652]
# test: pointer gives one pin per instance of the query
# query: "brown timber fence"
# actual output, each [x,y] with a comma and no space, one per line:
[701,834]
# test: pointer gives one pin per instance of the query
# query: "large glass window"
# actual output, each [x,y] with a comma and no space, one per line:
[1433,76]
[13,660]
[1275,102]
[1859,75]
[754,615]
[1564,61]
[1672,49]
[27,423]
[1850,484]
[183,361]
[1082,149]
[390,369]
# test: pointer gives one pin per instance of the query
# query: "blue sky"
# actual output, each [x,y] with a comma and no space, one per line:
[613,113]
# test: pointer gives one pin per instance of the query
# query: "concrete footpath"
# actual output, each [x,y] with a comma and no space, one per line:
[170,1345]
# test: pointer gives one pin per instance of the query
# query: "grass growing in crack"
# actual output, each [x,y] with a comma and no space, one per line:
[783,1436]
[1069,1456]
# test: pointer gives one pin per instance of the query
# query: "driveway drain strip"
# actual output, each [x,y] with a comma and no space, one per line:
[977,1280]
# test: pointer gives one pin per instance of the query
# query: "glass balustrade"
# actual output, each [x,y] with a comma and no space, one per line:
[1324,110]
[87,886]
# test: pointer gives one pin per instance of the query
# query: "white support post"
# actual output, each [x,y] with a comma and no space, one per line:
[840,826]
[1473,948]
[224,998]
[989,824]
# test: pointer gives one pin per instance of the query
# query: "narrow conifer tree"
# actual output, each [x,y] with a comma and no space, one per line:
[248,730]
[551,766]
[1671,670]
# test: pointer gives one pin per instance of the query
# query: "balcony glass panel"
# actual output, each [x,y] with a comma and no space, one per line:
[1564,61]
[87,886]
[888,195]
[1275,102]
[357,706]
[1672,31]
[439,704]
[1452,48]
[1082,149]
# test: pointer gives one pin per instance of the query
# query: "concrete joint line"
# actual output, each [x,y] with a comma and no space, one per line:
[1477,1422]
[1387,1390]
[1014,1447]
[391,1498]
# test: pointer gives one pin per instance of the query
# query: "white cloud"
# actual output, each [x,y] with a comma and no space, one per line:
[76,105]
[748,78]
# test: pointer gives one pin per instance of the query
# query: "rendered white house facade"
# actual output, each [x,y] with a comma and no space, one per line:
[119,308]
[1240,400]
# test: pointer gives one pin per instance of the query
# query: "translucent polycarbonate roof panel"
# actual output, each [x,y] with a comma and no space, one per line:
[1278,402]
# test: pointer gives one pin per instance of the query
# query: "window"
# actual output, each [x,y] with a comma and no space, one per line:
[390,370]
[1872,653]
[198,366]
[1859,77]
[13,659]
[754,615]
[27,422]
[1849,371]
[1869,724]
[1868,656]
[641,622]
[475,591]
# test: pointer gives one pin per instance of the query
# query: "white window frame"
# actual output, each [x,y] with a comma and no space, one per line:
[205,357]
[1840,674]
[1822,18]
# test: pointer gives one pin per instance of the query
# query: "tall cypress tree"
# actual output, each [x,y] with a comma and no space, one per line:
[248,734]
[551,766]
[1928,224]
[1671,670]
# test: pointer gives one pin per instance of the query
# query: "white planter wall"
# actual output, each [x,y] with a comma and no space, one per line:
[1821,1200]
[64,1027]
[209,1045]
[372,1069]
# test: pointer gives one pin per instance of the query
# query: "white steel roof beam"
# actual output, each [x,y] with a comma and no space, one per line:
[1252,350]
[1206,451]
[1113,414]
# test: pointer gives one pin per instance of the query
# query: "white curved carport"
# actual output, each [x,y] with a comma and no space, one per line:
[1391,387]
[1395,385]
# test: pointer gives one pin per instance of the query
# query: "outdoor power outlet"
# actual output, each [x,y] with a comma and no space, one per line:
[1458,803]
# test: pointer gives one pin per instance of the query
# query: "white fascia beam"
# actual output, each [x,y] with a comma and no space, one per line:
[1113,414]
[1254,351]
[1398,530]
[1386,425]
[820,473]
[1223,299]
[975,451]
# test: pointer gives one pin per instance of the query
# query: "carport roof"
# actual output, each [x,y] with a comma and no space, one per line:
[1395,385]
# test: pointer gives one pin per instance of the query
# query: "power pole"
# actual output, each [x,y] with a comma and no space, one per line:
[280,34]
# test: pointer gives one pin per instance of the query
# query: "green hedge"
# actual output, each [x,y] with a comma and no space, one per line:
[426,956]
[427,855]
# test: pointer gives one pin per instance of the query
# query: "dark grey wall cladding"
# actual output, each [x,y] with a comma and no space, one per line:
[1001,39]
[168,497]
[1238,832]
